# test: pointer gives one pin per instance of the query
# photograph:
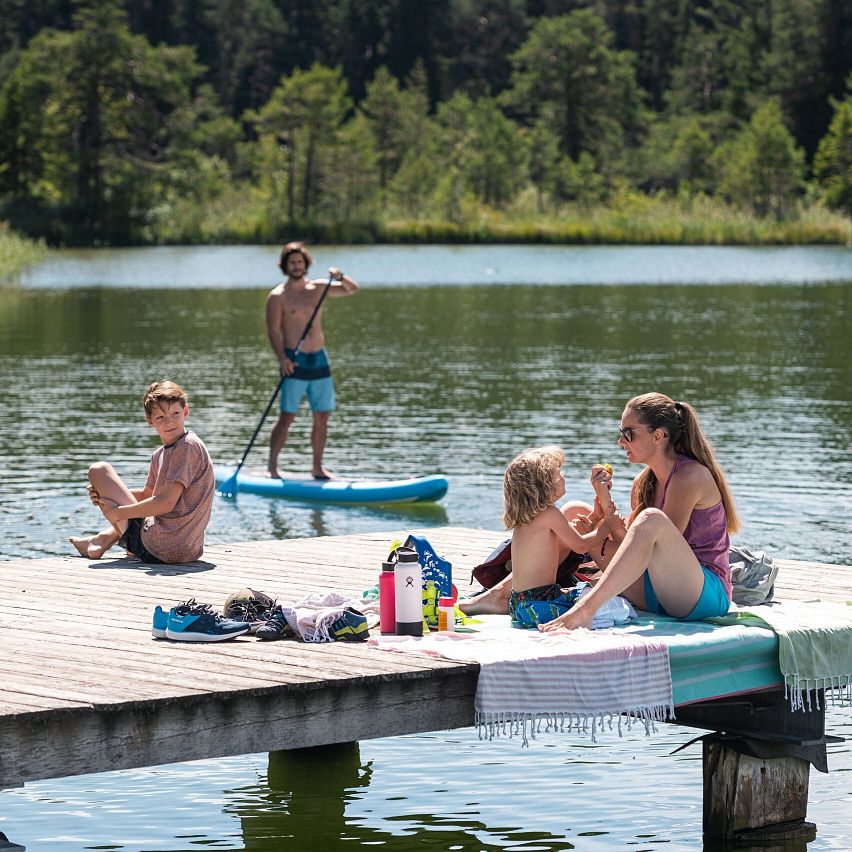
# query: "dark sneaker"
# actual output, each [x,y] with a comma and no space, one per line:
[276,627]
[251,606]
[199,623]
[350,627]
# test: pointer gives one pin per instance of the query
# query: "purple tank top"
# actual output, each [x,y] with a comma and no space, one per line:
[706,533]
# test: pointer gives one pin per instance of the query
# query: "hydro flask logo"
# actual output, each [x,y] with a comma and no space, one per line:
[409,581]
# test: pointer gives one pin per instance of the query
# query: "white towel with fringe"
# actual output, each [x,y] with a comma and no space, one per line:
[575,680]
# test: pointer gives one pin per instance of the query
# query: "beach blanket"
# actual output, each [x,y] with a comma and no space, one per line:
[575,680]
[814,646]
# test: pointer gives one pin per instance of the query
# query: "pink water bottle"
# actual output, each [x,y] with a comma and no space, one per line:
[387,599]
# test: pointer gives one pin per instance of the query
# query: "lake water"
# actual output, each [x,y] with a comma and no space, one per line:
[450,360]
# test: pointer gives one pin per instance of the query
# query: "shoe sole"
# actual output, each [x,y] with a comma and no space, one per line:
[159,634]
[189,636]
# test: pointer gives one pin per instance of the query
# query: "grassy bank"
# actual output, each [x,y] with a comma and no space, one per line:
[628,219]
[16,254]
[635,220]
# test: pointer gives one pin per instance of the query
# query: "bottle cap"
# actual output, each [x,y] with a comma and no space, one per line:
[407,554]
[388,566]
[446,602]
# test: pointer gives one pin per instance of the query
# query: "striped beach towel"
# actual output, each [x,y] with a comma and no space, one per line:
[577,680]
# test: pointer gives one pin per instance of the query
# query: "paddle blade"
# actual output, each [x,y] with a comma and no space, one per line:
[228,488]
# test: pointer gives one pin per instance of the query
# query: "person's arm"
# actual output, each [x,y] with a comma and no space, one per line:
[586,523]
[570,537]
[612,529]
[155,505]
[601,480]
[596,516]
[344,285]
[274,310]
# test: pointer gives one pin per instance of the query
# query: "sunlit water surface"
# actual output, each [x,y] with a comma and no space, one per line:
[450,360]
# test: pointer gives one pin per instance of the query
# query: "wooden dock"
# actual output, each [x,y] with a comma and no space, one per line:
[87,689]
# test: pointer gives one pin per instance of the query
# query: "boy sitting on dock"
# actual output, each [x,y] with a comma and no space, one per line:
[164,521]
[531,486]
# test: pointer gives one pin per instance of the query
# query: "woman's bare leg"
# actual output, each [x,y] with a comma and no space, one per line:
[108,484]
[652,542]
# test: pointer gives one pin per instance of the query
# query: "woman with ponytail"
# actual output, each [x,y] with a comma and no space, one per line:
[671,558]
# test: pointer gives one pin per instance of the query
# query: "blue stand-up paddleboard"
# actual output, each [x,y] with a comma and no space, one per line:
[420,489]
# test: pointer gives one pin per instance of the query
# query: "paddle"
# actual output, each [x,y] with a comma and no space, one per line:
[229,487]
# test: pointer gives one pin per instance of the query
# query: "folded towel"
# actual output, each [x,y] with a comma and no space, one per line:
[814,645]
[617,610]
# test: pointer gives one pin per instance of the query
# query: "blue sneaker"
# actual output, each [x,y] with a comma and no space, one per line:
[201,624]
[161,622]
[161,617]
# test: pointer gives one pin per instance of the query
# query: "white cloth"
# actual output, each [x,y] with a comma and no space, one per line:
[617,610]
[311,617]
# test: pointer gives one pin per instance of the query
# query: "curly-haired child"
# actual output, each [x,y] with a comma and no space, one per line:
[532,484]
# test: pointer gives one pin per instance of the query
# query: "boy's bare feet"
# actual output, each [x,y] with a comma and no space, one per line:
[86,548]
[322,474]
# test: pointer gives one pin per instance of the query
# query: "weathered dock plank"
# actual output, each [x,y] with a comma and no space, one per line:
[86,688]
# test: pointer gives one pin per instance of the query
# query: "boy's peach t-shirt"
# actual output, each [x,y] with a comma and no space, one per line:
[178,536]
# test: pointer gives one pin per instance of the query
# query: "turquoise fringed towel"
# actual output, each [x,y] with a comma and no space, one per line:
[814,645]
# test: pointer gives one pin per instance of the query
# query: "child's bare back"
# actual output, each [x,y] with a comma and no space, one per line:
[536,548]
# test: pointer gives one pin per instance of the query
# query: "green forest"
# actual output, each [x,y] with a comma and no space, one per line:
[607,121]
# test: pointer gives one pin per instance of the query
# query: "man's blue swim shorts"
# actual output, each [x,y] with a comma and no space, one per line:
[312,377]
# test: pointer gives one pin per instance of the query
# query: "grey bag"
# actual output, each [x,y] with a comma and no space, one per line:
[752,575]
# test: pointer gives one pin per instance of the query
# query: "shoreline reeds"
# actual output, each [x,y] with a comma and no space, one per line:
[17,253]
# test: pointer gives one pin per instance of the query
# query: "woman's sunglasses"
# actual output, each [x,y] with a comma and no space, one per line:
[628,432]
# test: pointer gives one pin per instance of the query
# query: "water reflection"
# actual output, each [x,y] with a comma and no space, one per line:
[440,791]
[280,521]
[289,520]
[302,799]
[302,802]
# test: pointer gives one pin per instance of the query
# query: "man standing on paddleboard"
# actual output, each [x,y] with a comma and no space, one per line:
[289,309]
